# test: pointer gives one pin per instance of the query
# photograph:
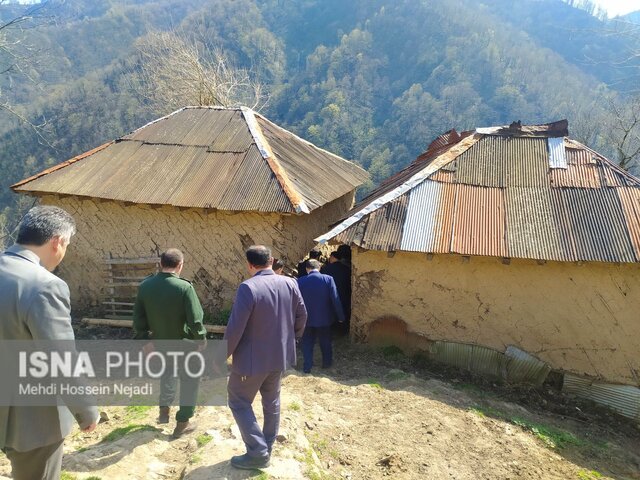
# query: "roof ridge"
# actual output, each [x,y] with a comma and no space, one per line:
[267,153]
[62,165]
[450,154]
[289,132]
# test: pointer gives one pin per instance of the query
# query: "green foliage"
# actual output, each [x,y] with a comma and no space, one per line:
[67,476]
[120,432]
[374,81]
[550,436]
[137,411]
[203,439]
[589,475]
[295,406]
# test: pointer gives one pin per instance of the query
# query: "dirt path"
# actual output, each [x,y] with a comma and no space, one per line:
[375,416]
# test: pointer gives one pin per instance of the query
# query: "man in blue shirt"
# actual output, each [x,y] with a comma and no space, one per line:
[323,307]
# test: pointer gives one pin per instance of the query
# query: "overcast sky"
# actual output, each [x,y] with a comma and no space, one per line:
[618,7]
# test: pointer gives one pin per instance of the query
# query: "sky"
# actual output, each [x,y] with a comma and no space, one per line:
[613,7]
[618,7]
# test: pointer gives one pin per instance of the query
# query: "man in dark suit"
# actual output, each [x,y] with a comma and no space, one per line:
[324,307]
[35,305]
[341,274]
[267,317]
[167,308]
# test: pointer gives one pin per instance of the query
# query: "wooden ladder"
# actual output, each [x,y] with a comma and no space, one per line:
[123,275]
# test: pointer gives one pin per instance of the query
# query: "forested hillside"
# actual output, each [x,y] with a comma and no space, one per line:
[372,80]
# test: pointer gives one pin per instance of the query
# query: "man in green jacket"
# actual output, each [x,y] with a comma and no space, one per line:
[167,308]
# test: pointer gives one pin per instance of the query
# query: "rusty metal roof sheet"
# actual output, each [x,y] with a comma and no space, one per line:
[479,221]
[510,192]
[317,174]
[227,159]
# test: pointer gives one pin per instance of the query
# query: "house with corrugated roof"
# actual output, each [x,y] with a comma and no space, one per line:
[510,250]
[210,181]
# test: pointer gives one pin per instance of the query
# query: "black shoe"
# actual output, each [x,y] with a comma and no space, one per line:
[246,462]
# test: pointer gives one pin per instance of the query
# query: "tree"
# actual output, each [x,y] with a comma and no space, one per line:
[17,56]
[623,131]
[172,70]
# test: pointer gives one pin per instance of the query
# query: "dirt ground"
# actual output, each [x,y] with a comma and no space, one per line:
[375,414]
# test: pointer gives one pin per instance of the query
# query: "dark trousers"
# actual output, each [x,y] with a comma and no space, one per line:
[323,334]
[188,392]
[242,391]
[43,463]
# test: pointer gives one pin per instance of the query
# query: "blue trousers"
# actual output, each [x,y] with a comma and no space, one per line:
[323,334]
[242,391]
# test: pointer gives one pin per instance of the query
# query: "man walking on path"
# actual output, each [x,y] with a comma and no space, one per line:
[35,305]
[341,274]
[167,308]
[268,316]
[324,307]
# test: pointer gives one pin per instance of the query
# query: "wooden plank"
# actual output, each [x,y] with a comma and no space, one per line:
[122,323]
[122,284]
[126,304]
[133,279]
[133,261]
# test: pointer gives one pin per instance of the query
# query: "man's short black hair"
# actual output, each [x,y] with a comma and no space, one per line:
[335,255]
[42,223]
[259,256]
[171,258]
[315,253]
[345,252]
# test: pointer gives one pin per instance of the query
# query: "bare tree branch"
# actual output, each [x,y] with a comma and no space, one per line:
[173,70]
[18,57]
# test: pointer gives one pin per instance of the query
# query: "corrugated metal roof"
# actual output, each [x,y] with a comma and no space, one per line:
[501,194]
[479,221]
[533,230]
[557,156]
[228,159]
[322,176]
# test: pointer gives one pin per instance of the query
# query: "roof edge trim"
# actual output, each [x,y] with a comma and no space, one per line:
[441,160]
[265,150]
[61,165]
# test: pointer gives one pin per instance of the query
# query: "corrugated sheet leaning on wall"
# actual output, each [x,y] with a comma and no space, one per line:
[512,193]
[624,399]
[514,365]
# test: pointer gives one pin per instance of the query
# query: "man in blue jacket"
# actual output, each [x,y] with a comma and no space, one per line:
[323,307]
[268,316]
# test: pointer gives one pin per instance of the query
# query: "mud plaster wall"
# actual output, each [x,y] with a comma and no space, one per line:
[583,319]
[213,243]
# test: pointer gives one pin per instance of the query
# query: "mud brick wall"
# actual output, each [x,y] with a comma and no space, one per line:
[213,243]
[580,318]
